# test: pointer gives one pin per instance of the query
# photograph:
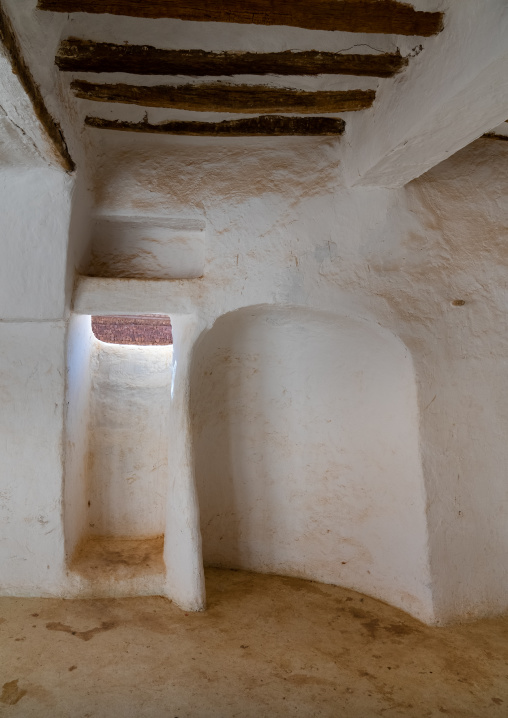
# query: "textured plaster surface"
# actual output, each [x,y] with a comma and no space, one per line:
[185,583]
[147,248]
[306,451]
[80,344]
[32,390]
[284,230]
[23,139]
[424,264]
[453,91]
[128,440]
[34,226]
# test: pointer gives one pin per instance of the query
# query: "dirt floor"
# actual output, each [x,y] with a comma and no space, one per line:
[266,646]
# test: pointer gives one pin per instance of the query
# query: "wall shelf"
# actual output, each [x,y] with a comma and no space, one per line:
[101,295]
[147,247]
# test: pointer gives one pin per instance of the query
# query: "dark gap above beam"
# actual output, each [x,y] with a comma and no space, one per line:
[20,68]
[494,136]
[370,16]
[75,55]
[217,97]
[267,126]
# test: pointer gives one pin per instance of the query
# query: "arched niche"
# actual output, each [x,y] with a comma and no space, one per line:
[305,430]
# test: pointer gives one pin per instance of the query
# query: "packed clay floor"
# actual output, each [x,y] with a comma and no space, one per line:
[266,646]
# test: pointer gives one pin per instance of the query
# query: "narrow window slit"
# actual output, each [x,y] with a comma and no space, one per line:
[139,330]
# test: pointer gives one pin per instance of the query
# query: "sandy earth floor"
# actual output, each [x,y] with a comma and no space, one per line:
[266,646]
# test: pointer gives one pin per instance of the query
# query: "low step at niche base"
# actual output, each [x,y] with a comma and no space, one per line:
[112,566]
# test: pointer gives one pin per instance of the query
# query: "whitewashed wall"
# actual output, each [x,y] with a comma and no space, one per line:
[34,228]
[278,220]
[80,345]
[129,440]
[32,386]
[306,450]
[461,361]
[35,204]
[282,230]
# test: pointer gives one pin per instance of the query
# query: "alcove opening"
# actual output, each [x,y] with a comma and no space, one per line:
[119,404]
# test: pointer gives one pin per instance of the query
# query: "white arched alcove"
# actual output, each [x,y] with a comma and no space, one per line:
[307,453]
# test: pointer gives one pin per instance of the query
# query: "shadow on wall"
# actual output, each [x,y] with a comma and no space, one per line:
[305,431]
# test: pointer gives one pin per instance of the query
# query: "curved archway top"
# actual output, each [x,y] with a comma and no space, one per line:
[281,314]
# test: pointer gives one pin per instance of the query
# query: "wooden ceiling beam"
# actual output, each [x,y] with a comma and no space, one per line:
[369,16]
[217,97]
[264,126]
[75,55]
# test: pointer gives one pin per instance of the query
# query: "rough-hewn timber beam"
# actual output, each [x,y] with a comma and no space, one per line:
[378,16]
[268,125]
[50,127]
[216,97]
[75,55]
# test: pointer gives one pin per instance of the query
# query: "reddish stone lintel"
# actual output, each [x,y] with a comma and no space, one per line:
[138,330]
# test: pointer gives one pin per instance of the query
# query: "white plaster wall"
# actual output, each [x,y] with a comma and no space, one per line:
[80,344]
[447,242]
[129,440]
[463,209]
[32,385]
[23,138]
[15,148]
[185,581]
[465,456]
[147,247]
[51,240]
[80,232]
[34,226]
[278,220]
[35,206]
[306,450]
[453,90]
[39,218]
[283,229]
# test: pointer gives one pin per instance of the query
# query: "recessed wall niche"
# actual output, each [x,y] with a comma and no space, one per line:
[147,247]
[118,444]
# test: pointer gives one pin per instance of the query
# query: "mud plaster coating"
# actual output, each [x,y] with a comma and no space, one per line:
[286,231]
[281,233]
[128,439]
[299,476]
